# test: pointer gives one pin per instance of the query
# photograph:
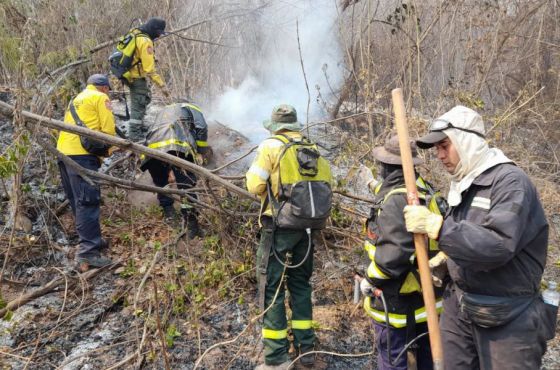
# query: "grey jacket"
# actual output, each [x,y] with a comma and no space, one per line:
[497,237]
[180,129]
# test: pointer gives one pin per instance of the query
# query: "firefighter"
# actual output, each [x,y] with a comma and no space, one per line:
[283,251]
[181,130]
[393,269]
[143,67]
[93,108]
[495,236]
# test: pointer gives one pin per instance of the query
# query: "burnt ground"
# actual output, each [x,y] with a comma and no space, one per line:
[171,299]
[101,322]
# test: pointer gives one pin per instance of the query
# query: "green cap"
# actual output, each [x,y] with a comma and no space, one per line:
[283,117]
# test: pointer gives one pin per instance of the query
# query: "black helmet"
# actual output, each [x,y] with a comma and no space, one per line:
[154,27]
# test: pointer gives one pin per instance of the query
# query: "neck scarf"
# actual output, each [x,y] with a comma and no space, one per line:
[475,157]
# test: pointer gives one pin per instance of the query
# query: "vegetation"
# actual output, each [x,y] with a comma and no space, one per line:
[170,300]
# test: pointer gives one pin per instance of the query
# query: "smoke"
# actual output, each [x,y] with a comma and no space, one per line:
[270,70]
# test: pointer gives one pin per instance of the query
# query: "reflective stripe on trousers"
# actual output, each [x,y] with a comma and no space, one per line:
[274,334]
[283,333]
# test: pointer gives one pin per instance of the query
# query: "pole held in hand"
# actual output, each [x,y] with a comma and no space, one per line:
[419,239]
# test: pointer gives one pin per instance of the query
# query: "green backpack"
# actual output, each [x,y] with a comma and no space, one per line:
[304,187]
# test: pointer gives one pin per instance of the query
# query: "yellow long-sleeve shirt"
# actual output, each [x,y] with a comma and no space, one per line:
[265,166]
[94,109]
[144,62]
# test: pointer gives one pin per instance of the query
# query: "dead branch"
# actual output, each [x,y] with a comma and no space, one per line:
[312,124]
[127,184]
[50,75]
[235,160]
[106,44]
[203,41]
[352,196]
[50,287]
[117,162]
[70,163]
[86,173]
[7,110]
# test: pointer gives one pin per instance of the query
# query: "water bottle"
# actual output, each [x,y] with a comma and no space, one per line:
[551,295]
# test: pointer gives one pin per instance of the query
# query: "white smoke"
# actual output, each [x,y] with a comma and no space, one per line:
[277,77]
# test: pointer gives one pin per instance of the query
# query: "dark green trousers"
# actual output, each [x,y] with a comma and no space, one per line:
[275,323]
[140,97]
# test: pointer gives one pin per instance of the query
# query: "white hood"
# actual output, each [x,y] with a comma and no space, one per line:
[473,150]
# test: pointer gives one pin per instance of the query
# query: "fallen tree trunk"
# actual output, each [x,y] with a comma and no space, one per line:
[7,110]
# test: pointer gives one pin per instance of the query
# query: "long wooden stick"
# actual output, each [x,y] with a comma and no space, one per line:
[419,239]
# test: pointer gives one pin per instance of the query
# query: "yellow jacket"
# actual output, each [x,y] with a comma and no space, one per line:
[94,109]
[144,62]
[265,166]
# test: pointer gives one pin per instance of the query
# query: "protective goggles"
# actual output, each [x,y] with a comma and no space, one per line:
[442,124]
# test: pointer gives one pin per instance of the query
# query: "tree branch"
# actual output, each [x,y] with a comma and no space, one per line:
[7,110]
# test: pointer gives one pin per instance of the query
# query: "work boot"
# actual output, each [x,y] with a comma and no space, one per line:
[135,131]
[105,244]
[282,366]
[308,360]
[170,216]
[193,227]
[85,263]
[121,129]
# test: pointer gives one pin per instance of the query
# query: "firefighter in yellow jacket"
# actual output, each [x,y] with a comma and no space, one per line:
[92,108]
[143,67]
[280,243]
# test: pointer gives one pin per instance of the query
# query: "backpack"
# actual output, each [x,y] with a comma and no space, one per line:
[121,58]
[304,186]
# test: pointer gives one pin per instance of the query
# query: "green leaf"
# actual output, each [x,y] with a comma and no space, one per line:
[170,334]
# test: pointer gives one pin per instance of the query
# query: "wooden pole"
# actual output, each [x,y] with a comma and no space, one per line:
[419,239]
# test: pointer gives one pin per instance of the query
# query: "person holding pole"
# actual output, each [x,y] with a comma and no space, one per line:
[391,284]
[495,236]
[419,239]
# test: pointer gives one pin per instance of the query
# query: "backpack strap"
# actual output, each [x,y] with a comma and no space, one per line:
[74,114]
[135,35]
[275,204]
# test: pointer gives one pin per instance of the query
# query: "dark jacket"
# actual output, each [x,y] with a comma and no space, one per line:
[391,249]
[497,236]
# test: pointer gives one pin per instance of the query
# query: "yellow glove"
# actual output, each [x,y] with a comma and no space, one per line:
[112,150]
[199,159]
[421,220]
[438,267]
